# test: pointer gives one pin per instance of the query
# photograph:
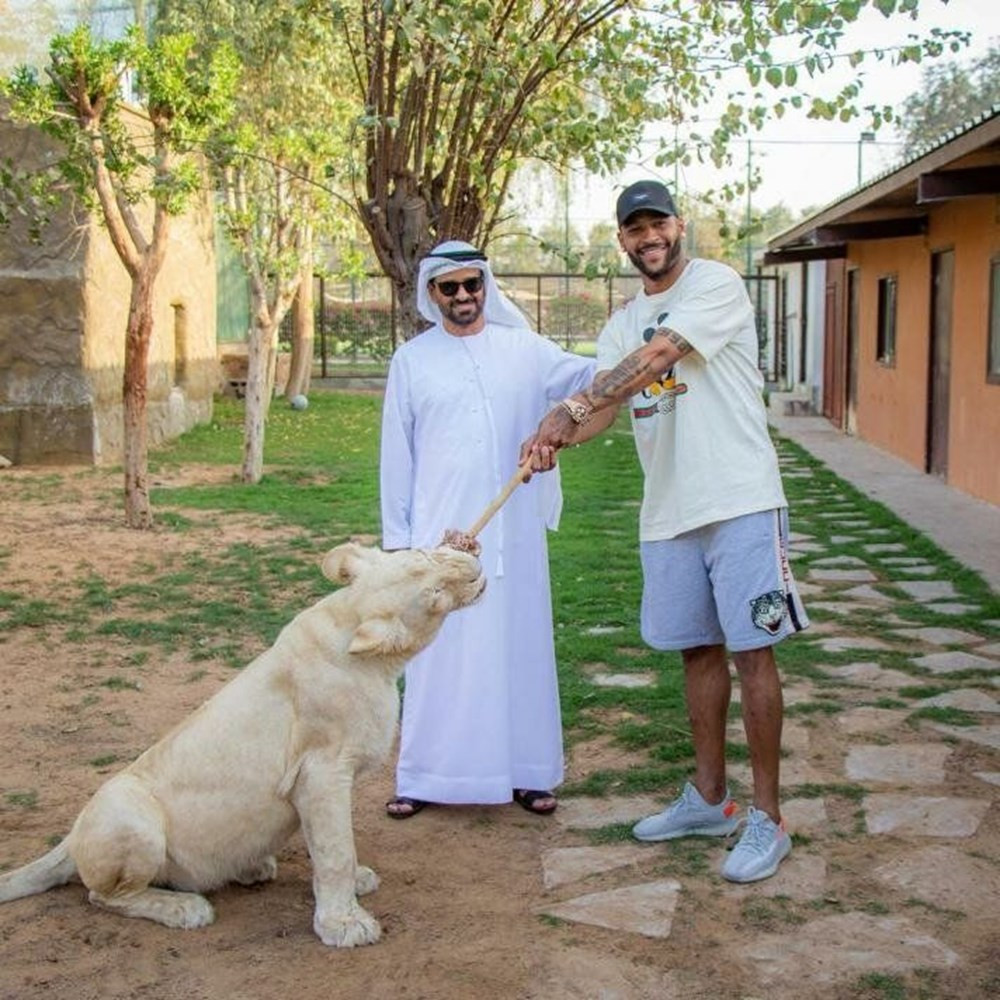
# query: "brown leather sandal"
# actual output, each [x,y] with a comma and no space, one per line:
[408,807]
[528,798]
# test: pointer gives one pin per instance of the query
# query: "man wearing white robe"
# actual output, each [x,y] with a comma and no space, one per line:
[481,712]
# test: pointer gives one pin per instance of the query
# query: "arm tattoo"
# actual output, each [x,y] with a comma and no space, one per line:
[631,374]
[675,338]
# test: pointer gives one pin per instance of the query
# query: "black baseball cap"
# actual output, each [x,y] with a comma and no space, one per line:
[650,196]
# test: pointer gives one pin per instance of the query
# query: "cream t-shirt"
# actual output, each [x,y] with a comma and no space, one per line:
[700,430]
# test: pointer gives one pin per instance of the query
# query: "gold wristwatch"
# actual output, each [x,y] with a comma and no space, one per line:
[579,412]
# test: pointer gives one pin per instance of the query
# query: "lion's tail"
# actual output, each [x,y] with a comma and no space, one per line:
[50,870]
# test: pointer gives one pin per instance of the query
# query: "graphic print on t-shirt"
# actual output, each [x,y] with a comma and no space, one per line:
[661,394]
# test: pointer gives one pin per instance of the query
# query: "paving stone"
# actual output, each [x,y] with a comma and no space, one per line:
[603,629]
[839,644]
[921,570]
[938,636]
[877,547]
[567,864]
[945,876]
[798,692]
[591,814]
[990,777]
[807,589]
[842,575]
[797,536]
[882,532]
[805,815]
[644,680]
[570,973]
[904,560]
[843,539]
[794,737]
[992,649]
[871,674]
[953,608]
[868,719]
[866,593]
[841,560]
[923,816]
[928,590]
[966,699]
[987,736]
[800,876]
[824,628]
[954,660]
[843,947]
[646,909]
[902,764]
[794,771]
[802,547]
[992,622]
[834,607]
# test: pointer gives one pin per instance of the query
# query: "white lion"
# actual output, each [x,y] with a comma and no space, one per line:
[275,749]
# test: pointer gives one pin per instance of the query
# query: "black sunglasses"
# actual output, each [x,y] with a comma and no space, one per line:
[450,288]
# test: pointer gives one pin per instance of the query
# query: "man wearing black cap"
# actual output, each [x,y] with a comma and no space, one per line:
[713,526]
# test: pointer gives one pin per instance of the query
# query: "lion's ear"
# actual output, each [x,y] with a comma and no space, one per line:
[345,562]
[386,636]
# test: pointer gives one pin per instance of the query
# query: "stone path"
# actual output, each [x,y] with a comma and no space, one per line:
[890,777]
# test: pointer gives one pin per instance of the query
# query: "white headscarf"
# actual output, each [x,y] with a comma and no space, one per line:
[456,255]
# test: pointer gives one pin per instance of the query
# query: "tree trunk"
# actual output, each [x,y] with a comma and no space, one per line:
[138,511]
[303,332]
[401,236]
[257,398]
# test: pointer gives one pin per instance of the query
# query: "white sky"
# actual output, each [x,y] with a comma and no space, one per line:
[803,162]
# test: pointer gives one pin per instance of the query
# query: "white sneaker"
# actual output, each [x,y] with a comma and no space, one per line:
[690,816]
[760,850]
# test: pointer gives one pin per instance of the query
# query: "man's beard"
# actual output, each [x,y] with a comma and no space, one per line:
[673,255]
[467,318]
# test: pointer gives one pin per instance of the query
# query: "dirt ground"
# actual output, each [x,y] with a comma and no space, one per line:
[460,886]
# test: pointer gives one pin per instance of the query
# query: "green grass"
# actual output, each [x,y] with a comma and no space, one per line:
[225,602]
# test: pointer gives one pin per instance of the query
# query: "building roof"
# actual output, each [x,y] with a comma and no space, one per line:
[964,162]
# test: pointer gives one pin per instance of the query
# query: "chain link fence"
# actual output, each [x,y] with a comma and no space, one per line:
[357,323]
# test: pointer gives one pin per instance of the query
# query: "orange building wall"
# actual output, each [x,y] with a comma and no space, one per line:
[892,401]
[974,418]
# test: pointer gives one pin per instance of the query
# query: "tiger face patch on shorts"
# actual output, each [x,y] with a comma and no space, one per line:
[768,611]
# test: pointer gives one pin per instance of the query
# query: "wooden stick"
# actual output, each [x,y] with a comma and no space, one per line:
[512,484]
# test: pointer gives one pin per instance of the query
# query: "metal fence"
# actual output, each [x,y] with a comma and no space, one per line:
[357,322]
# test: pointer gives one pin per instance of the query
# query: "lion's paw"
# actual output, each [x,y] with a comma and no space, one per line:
[365,880]
[185,910]
[347,930]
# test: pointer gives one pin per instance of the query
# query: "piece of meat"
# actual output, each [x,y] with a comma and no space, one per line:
[462,541]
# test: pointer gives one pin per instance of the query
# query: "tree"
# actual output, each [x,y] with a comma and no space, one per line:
[115,166]
[950,95]
[456,96]
[274,168]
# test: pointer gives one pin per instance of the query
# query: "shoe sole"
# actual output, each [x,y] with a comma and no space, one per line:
[760,876]
[722,830]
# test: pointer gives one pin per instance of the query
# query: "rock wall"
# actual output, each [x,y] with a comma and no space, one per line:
[63,310]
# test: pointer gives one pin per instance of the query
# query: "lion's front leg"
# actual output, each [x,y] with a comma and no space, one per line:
[323,799]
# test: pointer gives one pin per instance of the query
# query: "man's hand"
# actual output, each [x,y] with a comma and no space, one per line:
[542,456]
[557,430]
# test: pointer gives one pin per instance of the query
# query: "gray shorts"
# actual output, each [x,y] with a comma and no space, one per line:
[725,583]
